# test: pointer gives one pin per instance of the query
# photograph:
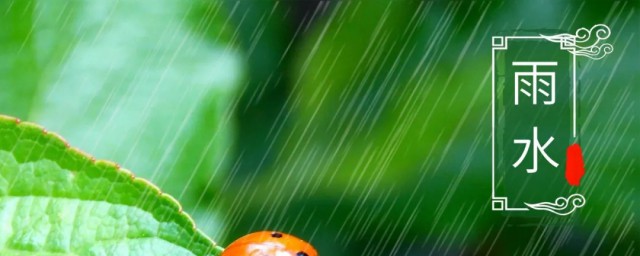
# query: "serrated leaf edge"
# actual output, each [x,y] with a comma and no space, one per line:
[118,168]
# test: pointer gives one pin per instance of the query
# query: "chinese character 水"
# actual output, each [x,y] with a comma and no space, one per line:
[536,148]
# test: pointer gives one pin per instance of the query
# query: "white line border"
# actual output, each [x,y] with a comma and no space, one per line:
[501,43]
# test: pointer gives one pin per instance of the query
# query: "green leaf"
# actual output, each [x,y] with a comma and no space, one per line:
[56,200]
[149,86]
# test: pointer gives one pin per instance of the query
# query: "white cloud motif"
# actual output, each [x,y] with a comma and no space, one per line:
[586,42]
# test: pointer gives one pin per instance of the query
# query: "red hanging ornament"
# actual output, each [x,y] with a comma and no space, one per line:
[575,165]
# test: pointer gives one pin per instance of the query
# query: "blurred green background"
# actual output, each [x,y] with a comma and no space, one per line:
[361,126]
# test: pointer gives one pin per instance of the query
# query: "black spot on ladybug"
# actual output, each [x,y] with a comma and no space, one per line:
[276,235]
[302,254]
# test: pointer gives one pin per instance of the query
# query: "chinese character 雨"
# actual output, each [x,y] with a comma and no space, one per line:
[534,84]
[536,148]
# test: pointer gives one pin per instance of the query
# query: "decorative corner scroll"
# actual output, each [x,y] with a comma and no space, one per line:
[586,42]
[562,206]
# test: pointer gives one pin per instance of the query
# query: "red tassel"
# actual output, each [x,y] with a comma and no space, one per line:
[575,165]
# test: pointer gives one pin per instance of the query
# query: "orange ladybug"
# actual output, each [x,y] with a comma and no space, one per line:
[269,243]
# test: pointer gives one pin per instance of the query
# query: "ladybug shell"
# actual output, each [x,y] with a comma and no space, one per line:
[268,243]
